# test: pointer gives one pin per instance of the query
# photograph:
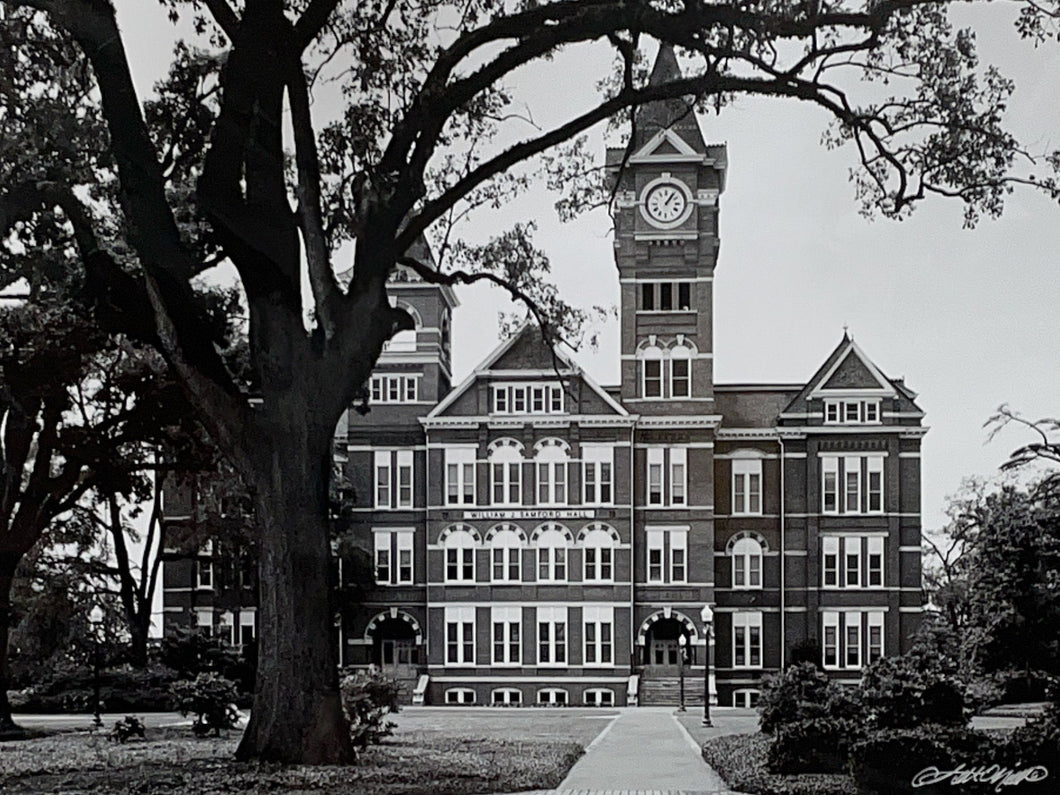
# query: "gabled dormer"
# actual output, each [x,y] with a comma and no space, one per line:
[849,390]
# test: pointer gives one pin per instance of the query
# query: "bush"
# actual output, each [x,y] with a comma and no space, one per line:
[210,698]
[740,759]
[804,692]
[813,745]
[806,650]
[888,761]
[904,692]
[70,687]
[126,728]
[367,698]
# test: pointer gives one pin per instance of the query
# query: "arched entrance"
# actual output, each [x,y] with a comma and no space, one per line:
[661,638]
[396,641]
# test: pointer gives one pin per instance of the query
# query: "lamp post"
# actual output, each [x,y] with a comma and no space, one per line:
[707,616]
[682,641]
[95,620]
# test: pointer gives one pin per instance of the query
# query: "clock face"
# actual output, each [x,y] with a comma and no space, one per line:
[665,203]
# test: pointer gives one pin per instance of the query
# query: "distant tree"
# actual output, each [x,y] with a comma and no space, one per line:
[429,132]
[1009,582]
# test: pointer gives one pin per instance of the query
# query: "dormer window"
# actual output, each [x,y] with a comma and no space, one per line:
[852,412]
[527,398]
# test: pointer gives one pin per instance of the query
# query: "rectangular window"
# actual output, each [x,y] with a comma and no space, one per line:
[552,635]
[655,476]
[551,564]
[680,382]
[872,410]
[404,559]
[460,635]
[597,475]
[393,388]
[647,296]
[852,481]
[507,483]
[678,476]
[831,411]
[204,573]
[247,627]
[665,296]
[404,479]
[875,562]
[382,558]
[853,640]
[598,635]
[829,484]
[500,400]
[204,621]
[527,399]
[830,561]
[507,634]
[875,625]
[678,556]
[598,564]
[874,465]
[747,640]
[460,564]
[382,479]
[747,486]
[460,476]
[830,648]
[852,562]
[652,378]
[507,566]
[552,483]
[655,555]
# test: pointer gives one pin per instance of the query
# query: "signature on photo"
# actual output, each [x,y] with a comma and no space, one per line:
[985,774]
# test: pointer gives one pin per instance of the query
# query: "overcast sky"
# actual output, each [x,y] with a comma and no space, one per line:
[967,317]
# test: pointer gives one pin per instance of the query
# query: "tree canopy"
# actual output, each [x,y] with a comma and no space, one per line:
[136,197]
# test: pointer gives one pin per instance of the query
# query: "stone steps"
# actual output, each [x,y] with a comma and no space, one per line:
[664,691]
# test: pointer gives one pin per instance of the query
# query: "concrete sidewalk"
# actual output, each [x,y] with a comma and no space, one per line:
[643,750]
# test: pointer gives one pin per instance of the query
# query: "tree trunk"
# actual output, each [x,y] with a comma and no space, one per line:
[297,714]
[8,727]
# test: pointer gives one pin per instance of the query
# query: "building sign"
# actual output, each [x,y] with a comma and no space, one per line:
[542,514]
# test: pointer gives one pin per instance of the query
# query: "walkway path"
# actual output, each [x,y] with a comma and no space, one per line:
[643,750]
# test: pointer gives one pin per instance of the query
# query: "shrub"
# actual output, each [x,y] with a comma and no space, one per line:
[1036,744]
[126,728]
[813,745]
[888,761]
[804,692]
[740,759]
[367,698]
[806,650]
[70,688]
[905,692]
[210,698]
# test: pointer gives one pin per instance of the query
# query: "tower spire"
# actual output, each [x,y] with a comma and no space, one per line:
[675,114]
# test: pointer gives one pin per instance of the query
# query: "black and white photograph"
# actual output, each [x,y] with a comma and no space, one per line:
[558,397]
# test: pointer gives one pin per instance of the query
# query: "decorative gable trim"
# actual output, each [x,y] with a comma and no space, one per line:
[684,154]
[884,389]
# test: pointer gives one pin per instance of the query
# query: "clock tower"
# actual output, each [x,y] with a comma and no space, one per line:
[666,247]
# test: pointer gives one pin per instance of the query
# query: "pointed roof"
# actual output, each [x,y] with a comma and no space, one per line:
[525,349]
[849,372]
[676,114]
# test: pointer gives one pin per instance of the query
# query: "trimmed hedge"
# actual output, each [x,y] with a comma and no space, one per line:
[740,759]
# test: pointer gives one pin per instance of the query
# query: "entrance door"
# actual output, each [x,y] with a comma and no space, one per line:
[664,656]
[398,657]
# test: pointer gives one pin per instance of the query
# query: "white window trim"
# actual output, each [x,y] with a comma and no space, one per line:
[461,458]
[598,616]
[747,620]
[460,617]
[655,458]
[744,470]
[506,616]
[678,458]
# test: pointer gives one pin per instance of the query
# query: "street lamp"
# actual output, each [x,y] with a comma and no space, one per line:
[95,620]
[682,641]
[707,616]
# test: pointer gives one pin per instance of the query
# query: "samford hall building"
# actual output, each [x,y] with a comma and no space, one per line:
[539,538]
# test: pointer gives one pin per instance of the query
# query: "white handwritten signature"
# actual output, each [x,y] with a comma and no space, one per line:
[992,774]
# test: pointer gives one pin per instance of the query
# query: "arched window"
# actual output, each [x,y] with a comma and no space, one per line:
[746,563]
[506,543]
[651,370]
[506,466]
[404,341]
[598,554]
[552,541]
[459,543]
[551,460]
[506,697]
[680,371]
[459,695]
[599,697]
[552,696]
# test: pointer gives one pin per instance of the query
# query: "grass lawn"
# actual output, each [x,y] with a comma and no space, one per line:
[439,751]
